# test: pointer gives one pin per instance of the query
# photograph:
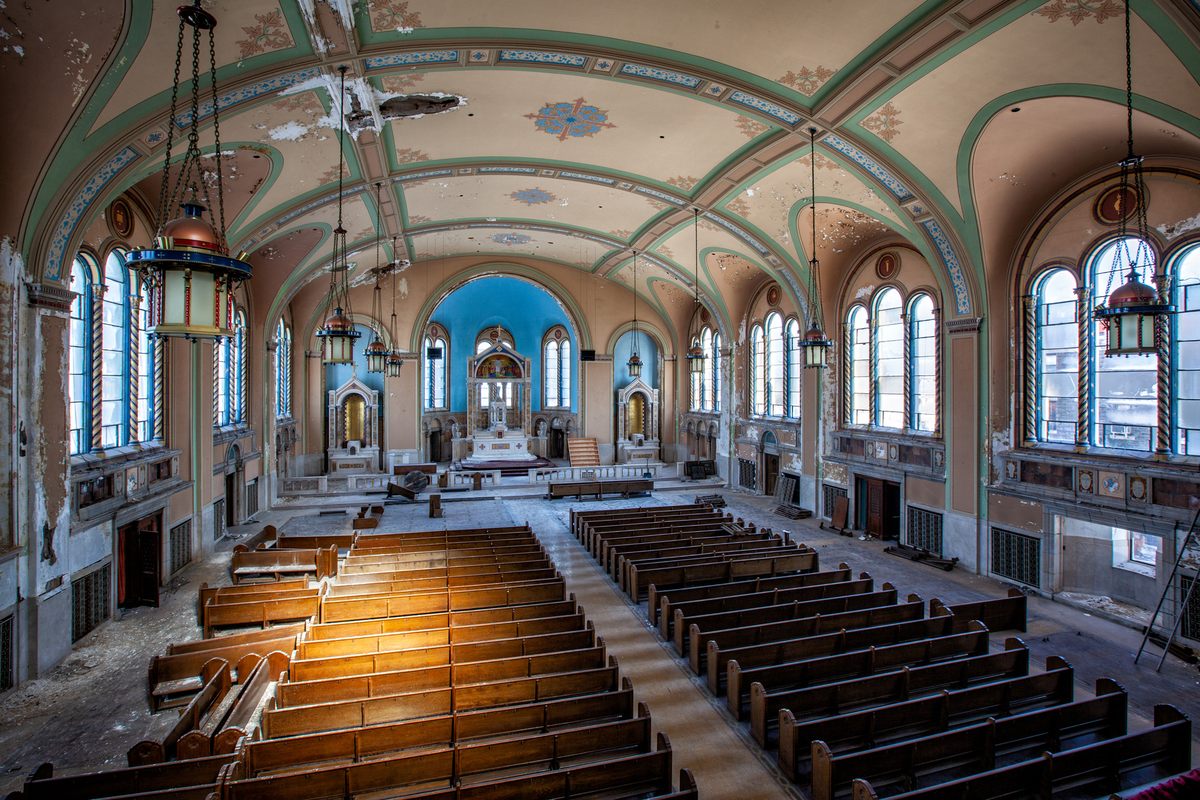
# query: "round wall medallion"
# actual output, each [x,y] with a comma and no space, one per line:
[704,315]
[773,295]
[887,265]
[1115,204]
[120,218]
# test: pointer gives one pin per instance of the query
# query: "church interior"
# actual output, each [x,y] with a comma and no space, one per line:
[457,400]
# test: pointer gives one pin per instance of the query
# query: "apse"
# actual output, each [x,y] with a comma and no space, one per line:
[648,351]
[337,374]
[522,308]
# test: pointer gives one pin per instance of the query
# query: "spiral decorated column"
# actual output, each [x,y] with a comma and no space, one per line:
[1083,427]
[1029,369]
[1162,341]
[96,398]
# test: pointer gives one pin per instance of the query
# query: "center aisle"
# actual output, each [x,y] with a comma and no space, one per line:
[702,738]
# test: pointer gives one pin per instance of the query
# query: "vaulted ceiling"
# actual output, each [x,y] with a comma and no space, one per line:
[587,130]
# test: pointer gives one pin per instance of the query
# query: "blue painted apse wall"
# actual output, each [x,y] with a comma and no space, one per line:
[647,350]
[520,307]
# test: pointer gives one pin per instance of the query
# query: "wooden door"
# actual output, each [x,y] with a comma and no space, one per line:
[435,446]
[874,507]
[771,470]
[149,562]
[890,501]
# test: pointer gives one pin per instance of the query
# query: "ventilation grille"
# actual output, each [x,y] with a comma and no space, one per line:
[1016,556]
[218,519]
[829,496]
[924,530]
[90,601]
[181,546]
[6,653]
[1190,629]
[252,498]
[747,474]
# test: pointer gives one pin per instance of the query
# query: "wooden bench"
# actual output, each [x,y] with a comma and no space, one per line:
[339,609]
[243,718]
[718,569]
[926,716]
[220,595]
[445,619]
[193,779]
[277,564]
[579,517]
[1002,614]
[216,684]
[680,554]
[874,676]
[660,602]
[175,677]
[260,612]
[973,748]
[1118,763]
[577,489]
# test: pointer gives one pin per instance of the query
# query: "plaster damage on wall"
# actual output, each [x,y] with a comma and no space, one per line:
[1177,229]
[362,114]
[1001,443]
[11,270]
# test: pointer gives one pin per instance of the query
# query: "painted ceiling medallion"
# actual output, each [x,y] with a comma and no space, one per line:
[1079,10]
[511,239]
[887,266]
[773,295]
[884,123]
[1115,204]
[533,197]
[574,120]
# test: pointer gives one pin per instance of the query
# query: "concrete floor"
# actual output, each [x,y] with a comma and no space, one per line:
[86,713]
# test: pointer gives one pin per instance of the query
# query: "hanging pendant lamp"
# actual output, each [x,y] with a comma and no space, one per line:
[377,350]
[338,333]
[635,360]
[394,361]
[188,274]
[815,343]
[695,353]
[1131,315]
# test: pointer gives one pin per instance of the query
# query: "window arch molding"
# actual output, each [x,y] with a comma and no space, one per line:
[774,362]
[435,355]
[892,363]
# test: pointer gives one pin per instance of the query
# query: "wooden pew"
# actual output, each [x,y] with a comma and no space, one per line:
[660,602]
[974,748]
[233,594]
[702,644]
[436,585]
[1002,614]
[394,708]
[924,716]
[594,536]
[274,755]
[877,675]
[579,517]
[277,564]
[175,677]
[718,569]
[1119,763]
[664,538]
[577,489]
[727,547]
[844,640]
[193,779]
[243,719]
[215,675]
[749,613]
[337,609]
[342,541]
[412,622]
[260,612]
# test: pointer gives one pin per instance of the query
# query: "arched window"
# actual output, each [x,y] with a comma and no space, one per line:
[488,336]
[889,360]
[222,350]
[774,363]
[791,342]
[436,354]
[1125,387]
[714,368]
[696,395]
[1057,346]
[858,367]
[704,398]
[758,372]
[1187,353]
[114,353]
[283,370]
[556,368]
[79,381]
[147,370]
[922,364]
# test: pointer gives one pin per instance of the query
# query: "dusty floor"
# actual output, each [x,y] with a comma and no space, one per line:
[86,713]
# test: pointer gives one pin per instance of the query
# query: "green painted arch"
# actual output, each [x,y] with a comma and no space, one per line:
[559,292]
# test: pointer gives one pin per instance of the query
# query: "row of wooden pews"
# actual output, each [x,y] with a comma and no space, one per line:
[863,691]
[451,664]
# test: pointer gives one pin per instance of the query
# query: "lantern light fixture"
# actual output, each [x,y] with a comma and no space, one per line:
[1131,315]
[394,361]
[338,333]
[635,360]
[815,343]
[188,274]
[695,353]
[377,350]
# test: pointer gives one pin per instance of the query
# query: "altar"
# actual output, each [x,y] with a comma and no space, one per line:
[352,432]
[498,408]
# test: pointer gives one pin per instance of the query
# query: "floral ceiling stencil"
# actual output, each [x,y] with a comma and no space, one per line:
[401,84]
[268,33]
[393,15]
[685,182]
[885,122]
[750,127]
[1079,10]
[807,80]
[533,197]
[410,155]
[575,119]
[511,239]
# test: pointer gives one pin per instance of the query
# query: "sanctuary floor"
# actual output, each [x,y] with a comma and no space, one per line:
[87,712]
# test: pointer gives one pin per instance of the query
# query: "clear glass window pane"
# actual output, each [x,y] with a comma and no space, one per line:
[114,360]
[858,367]
[794,368]
[774,365]
[889,360]
[79,358]
[1187,352]
[758,378]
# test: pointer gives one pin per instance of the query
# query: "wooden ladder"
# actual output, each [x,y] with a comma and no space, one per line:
[583,452]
